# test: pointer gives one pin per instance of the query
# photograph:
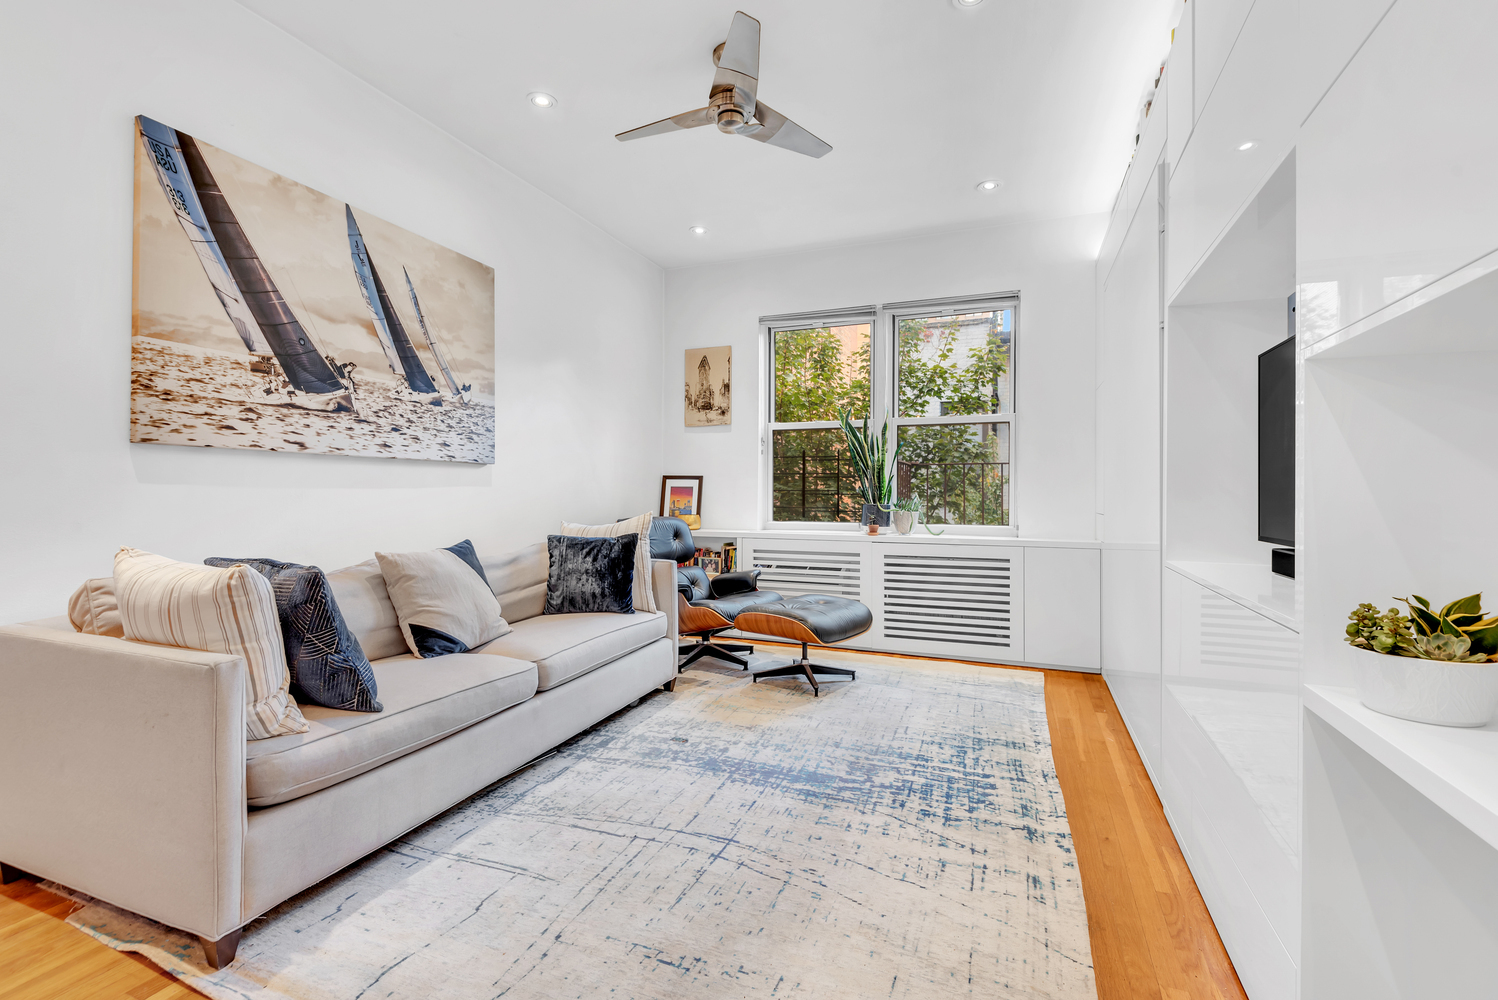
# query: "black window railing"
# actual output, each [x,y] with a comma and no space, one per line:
[824,488]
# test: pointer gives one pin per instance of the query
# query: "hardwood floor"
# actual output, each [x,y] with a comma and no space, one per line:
[1151,934]
[42,958]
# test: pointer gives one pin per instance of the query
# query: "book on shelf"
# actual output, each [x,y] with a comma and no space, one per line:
[714,561]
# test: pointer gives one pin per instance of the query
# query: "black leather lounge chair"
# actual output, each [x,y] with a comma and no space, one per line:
[705,606]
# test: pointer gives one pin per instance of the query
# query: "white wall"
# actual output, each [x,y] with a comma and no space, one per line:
[579,316]
[1051,265]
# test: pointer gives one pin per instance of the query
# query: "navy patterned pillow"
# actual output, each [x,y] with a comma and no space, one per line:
[590,574]
[327,666]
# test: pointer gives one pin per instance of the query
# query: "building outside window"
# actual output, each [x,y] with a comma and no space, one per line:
[942,370]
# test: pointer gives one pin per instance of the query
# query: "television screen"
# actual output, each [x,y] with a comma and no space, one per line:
[1277,444]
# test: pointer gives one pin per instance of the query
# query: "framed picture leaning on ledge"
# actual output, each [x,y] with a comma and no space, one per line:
[681,496]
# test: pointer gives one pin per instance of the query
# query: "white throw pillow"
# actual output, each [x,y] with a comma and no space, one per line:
[217,611]
[644,593]
[451,606]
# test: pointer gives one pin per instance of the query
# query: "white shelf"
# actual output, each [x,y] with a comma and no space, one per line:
[1457,769]
[1451,315]
[1252,585]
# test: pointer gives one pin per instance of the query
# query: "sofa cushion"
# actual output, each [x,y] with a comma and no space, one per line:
[424,699]
[365,605]
[564,647]
[518,580]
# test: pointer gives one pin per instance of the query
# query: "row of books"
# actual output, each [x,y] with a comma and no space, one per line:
[715,561]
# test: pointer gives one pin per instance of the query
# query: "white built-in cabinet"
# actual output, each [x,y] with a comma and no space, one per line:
[1343,854]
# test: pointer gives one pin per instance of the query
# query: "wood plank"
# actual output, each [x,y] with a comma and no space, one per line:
[1152,937]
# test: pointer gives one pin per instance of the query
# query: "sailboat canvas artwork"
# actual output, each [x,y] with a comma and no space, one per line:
[269,315]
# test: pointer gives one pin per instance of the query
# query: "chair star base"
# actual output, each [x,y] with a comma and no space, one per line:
[695,651]
[804,667]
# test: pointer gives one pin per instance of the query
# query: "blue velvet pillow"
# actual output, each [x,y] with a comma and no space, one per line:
[590,574]
[327,666]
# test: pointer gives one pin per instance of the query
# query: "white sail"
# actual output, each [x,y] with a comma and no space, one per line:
[171,171]
[365,274]
[452,383]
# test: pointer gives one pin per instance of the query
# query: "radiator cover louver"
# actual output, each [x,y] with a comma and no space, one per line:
[966,601]
[793,571]
[962,601]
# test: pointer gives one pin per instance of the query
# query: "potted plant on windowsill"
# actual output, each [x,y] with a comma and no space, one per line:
[1439,667]
[906,511]
[874,464]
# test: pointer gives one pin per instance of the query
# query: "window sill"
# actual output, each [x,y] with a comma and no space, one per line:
[889,536]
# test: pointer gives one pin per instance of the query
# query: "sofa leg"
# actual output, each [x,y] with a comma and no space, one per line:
[9,874]
[221,952]
[669,685]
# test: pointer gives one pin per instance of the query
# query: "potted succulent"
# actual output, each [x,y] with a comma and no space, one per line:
[1430,666]
[874,464]
[906,511]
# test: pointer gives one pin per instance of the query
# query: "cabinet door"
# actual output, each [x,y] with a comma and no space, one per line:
[1131,644]
[1063,614]
[1230,722]
[1394,166]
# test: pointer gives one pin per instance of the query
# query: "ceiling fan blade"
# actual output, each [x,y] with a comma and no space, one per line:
[687,119]
[776,129]
[738,60]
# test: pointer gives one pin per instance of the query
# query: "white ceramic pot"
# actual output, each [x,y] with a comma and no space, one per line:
[904,521]
[1433,691]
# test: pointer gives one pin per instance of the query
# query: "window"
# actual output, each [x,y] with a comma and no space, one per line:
[944,373]
[816,371]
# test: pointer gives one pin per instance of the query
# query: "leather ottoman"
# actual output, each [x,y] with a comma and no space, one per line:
[813,619]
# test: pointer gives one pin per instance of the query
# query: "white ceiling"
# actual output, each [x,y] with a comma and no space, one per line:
[919,99]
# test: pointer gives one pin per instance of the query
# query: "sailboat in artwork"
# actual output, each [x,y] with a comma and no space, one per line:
[399,351]
[270,330]
[460,393]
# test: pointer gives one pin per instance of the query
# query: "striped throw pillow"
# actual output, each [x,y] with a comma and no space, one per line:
[218,611]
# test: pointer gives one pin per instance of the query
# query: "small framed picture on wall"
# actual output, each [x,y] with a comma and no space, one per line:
[681,496]
[709,386]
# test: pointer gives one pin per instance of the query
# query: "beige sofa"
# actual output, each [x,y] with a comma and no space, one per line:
[125,773]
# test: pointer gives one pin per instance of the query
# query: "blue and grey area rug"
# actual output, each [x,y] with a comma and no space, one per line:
[901,836]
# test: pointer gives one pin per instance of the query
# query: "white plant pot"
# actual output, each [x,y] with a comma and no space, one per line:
[1433,691]
[904,521]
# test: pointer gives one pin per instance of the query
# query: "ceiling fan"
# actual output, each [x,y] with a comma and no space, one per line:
[732,102]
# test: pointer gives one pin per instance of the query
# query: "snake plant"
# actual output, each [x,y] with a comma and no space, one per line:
[873,458]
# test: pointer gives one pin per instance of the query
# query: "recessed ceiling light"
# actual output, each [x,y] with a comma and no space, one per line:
[1246,146]
[541,100]
[965,4]
[699,230]
[989,185]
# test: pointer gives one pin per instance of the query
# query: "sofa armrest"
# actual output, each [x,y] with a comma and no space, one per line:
[122,773]
[663,583]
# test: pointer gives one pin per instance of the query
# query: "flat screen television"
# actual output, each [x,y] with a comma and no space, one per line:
[1277,444]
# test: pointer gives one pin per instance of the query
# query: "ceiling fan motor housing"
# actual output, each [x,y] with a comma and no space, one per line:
[729,110]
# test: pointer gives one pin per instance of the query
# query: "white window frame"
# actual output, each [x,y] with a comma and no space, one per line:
[883,323]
